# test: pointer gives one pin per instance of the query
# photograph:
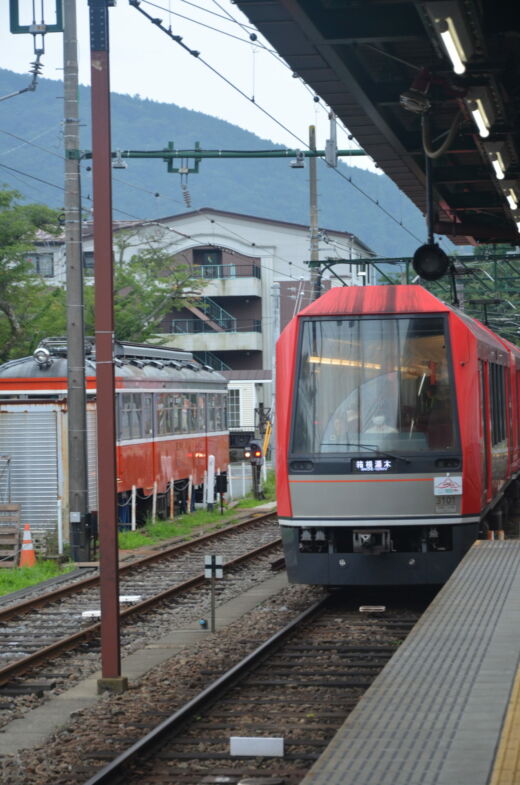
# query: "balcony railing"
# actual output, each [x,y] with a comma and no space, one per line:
[218,271]
[228,325]
[208,358]
[217,314]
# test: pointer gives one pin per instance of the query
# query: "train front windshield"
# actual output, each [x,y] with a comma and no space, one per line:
[373,384]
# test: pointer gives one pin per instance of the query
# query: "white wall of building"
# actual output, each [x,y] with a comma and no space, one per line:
[282,250]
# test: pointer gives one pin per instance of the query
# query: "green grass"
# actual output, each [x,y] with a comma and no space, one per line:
[13,579]
[185,525]
[182,526]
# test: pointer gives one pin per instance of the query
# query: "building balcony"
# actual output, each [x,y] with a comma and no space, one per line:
[195,335]
[230,280]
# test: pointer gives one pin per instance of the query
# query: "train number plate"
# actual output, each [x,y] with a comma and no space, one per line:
[445,504]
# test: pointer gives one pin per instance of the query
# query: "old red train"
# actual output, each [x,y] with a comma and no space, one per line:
[170,415]
[398,436]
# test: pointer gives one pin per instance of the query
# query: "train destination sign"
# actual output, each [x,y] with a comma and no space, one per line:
[372,465]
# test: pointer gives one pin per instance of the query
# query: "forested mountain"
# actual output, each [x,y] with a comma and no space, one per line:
[264,188]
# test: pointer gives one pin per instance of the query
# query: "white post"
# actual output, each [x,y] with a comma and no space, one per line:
[154,502]
[172,497]
[134,505]
[264,470]
[230,485]
[210,496]
[190,491]
[205,489]
[60,528]
[243,479]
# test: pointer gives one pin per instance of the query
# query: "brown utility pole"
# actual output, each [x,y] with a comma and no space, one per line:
[76,395]
[105,382]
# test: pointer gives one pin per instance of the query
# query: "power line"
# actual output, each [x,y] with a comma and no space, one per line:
[203,24]
[177,39]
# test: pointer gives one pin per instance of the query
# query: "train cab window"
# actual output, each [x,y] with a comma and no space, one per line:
[373,384]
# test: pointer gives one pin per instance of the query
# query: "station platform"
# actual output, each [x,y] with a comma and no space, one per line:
[445,710]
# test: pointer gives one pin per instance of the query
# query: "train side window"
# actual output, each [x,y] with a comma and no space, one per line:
[211,412]
[220,412]
[147,414]
[165,414]
[136,416]
[497,403]
[201,413]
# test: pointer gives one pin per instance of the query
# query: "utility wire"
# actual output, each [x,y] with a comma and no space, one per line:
[203,24]
[178,39]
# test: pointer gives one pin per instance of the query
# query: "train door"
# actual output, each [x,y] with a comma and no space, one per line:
[484,414]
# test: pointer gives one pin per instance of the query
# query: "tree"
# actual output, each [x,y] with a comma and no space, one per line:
[149,281]
[489,288]
[29,307]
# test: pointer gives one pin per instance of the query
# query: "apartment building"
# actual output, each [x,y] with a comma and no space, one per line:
[256,276]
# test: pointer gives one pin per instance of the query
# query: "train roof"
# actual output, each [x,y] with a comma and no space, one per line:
[133,362]
[398,299]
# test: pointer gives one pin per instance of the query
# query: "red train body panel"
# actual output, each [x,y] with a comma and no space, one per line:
[397,436]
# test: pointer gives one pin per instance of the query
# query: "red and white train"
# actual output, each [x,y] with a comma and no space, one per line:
[170,415]
[398,436]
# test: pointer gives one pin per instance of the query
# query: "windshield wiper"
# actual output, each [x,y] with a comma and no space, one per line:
[370,447]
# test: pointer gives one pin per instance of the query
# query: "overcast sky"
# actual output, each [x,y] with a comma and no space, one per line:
[146,62]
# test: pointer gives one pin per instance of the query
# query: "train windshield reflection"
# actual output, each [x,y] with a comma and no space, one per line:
[366,383]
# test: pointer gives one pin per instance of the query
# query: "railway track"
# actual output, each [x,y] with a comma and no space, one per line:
[291,693]
[42,627]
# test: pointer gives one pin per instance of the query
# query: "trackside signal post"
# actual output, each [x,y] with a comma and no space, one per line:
[254,455]
[105,382]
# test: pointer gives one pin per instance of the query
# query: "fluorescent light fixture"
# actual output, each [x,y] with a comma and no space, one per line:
[516,219]
[452,28]
[498,155]
[452,44]
[497,162]
[509,188]
[479,103]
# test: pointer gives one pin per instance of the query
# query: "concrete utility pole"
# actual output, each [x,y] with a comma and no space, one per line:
[313,204]
[77,416]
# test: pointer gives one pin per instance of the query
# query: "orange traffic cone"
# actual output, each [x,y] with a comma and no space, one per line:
[27,556]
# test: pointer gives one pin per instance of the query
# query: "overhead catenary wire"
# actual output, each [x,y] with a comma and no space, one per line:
[177,39]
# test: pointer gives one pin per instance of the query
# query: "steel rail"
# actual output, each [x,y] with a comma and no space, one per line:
[21,666]
[56,594]
[112,773]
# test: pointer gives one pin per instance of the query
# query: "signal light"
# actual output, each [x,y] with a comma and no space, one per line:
[430,262]
[253,453]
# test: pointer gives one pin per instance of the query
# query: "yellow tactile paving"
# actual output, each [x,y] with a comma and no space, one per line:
[506,770]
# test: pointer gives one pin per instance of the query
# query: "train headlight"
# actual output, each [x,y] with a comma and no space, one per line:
[42,357]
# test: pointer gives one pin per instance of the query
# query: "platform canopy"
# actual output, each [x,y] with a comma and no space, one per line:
[389,68]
